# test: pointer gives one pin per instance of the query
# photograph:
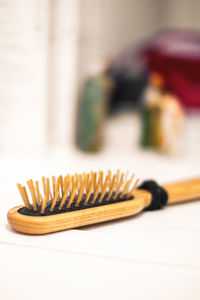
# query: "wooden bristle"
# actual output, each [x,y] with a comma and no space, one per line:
[44,183]
[68,181]
[96,192]
[63,199]
[61,184]
[37,192]
[104,189]
[33,195]
[87,182]
[77,191]
[117,176]
[26,198]
[94,179]
[48,189]
[126,186]
[109,175]
[80,192]
[24,195]
[55,199]
[50,198]
[54,185]
[73,192]
[118,188]
[100,179]
[133,188]
[112,185]
[66,191]
[72,183]
[89,192]
[44,203]
[57,195]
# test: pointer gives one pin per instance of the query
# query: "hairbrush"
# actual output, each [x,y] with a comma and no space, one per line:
[82,199]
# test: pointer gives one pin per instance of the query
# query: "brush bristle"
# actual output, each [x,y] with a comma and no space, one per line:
[75,192]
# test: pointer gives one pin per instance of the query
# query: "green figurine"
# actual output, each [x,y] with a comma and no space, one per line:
[92,110]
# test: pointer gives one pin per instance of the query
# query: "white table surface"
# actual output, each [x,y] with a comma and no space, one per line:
[155,255]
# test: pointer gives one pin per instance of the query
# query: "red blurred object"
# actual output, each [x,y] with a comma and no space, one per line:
[175,54]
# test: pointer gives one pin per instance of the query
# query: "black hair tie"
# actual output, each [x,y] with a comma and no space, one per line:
[159,194]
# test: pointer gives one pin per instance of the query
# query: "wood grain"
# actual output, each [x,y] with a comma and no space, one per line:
[182,191]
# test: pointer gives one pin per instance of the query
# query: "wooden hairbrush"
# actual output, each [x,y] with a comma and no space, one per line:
[82,199]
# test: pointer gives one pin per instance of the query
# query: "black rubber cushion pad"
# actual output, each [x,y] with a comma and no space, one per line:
[159,194]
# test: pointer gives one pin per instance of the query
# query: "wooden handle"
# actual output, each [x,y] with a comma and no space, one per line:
[182,191]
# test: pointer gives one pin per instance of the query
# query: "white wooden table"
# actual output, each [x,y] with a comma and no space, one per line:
[155,255]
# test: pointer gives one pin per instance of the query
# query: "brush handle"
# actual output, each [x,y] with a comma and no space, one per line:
[182,191]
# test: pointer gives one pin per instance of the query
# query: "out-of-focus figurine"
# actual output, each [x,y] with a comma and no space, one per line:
[151,111]
[92,111]
[171,122]
[162,118]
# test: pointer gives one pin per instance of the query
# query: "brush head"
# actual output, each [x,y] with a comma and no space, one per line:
[48,212]
[76,192]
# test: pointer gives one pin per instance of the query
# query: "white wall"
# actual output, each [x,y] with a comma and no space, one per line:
[23,75]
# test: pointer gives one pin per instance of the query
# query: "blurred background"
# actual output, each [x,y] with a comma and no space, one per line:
[96,85]
[95,78]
